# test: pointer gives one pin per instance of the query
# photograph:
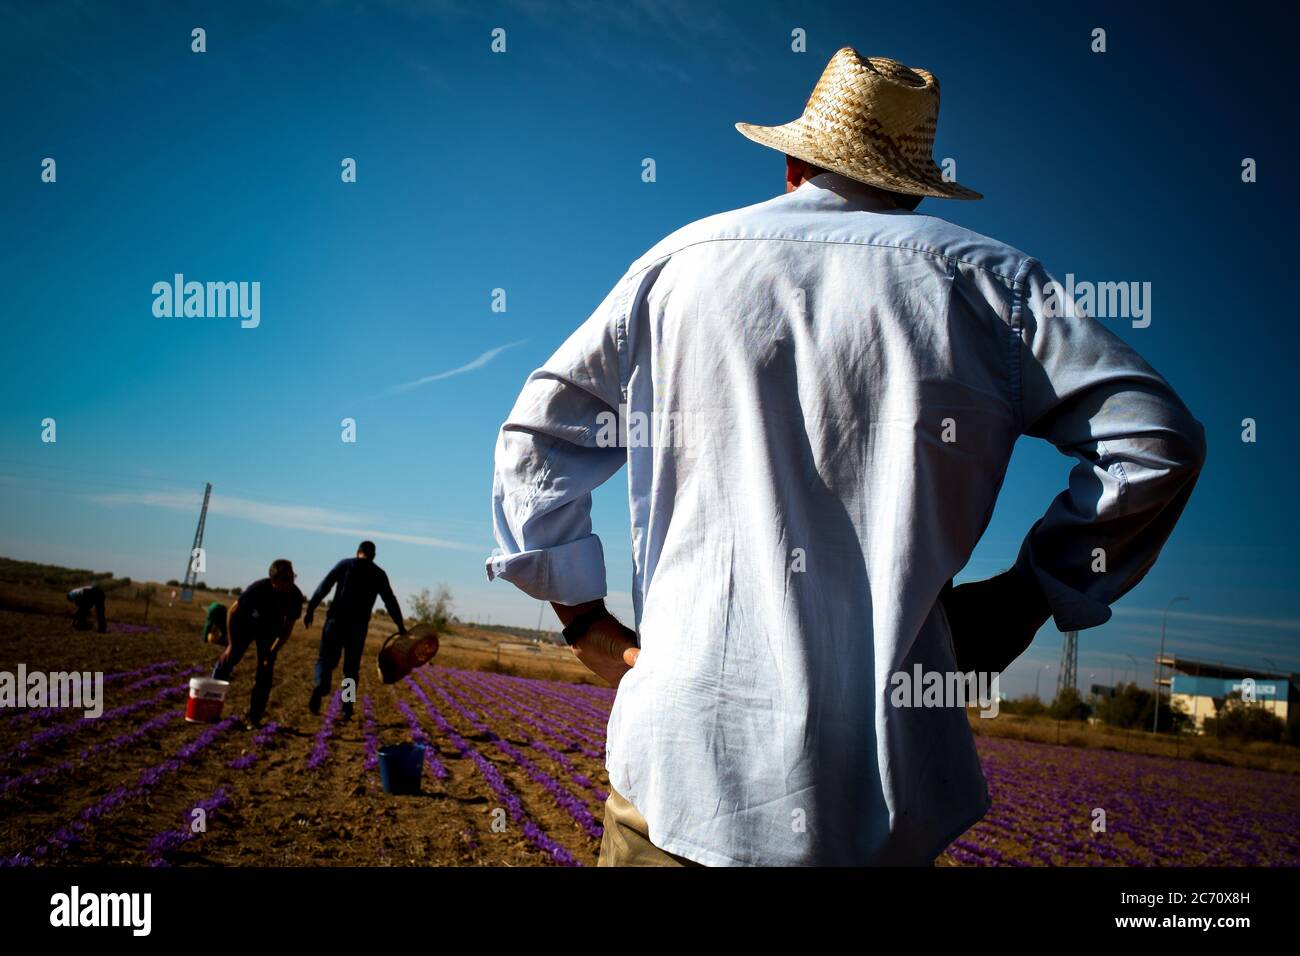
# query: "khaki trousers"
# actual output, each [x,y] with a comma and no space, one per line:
[627,842]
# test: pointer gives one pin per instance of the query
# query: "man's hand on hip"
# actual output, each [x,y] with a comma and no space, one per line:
[994,621]
[606,648]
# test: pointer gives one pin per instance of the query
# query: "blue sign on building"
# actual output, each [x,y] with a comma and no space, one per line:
[1266,688]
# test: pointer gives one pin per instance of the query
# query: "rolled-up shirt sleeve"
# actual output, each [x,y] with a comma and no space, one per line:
[560,442]
[1138,447]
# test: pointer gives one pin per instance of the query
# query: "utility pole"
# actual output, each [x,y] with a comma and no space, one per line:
[1069,675]
[192,565]
[1155,721]
[1135,667]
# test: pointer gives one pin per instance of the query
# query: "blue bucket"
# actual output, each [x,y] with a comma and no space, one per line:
[400,767]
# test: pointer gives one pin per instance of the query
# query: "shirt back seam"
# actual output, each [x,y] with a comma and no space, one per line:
[1014,280]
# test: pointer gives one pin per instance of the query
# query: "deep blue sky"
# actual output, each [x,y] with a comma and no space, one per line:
[522,171]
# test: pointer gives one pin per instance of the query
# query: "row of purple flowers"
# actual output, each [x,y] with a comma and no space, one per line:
[564,702]
[368,729]
[507,711]
[504,792]
[43,714]
[1158,811]
[564,799]
[320,750]
[168,841]
[543,721]
[574,697]
[418,735]
[50,735]
[83,758]
[68,836]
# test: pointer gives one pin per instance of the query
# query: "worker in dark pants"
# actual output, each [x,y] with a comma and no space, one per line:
[87,599]
[263,615]
[358,582]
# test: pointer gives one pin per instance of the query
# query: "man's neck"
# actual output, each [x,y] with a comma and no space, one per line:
[851,189]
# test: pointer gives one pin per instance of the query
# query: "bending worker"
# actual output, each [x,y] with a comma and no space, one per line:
[88,598]
[263,615]
[214,626]
[359,581]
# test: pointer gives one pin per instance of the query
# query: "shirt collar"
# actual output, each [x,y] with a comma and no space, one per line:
[848,191]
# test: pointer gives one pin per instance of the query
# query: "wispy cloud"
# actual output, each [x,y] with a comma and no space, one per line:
[297,517]
[676,39]
[1273,623]
[477,363]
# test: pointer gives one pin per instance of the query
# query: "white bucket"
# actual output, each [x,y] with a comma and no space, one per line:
[207,696]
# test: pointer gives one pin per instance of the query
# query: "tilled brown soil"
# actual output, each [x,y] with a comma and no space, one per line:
[278,811]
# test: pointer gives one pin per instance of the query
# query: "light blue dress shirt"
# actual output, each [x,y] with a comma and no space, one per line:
[817,398]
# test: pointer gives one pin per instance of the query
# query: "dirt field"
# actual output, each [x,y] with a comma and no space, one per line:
[515,771]
[276,811]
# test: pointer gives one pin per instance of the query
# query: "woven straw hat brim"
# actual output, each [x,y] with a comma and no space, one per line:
[855,159]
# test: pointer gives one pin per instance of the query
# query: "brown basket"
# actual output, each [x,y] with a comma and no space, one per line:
[401,655]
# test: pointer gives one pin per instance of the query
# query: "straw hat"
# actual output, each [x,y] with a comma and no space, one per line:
[871,119]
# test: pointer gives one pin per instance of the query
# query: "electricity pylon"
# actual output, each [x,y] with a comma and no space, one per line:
[1068,676]
[192,565]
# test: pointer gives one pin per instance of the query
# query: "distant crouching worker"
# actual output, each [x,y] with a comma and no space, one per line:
[358,581]
[86,599]
[263,615]
[214,627]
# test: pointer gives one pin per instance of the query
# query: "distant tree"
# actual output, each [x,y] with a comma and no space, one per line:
[1070,706]
[431,609]
[173,583]
[236,591]
[1246,720]
[1129,707]
[1027,705]
[1133,708]
[442,608]
[420,606]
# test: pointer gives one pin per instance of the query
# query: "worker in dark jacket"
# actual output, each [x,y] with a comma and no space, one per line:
[88,598]
[263,616]
[358,582]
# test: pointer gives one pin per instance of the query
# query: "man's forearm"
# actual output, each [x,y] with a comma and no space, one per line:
[605,647]
[568,613]
[1033,602]
[994,621]
[394,610]
[281,641]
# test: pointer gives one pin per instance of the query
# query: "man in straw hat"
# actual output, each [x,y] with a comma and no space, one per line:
[854,376]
